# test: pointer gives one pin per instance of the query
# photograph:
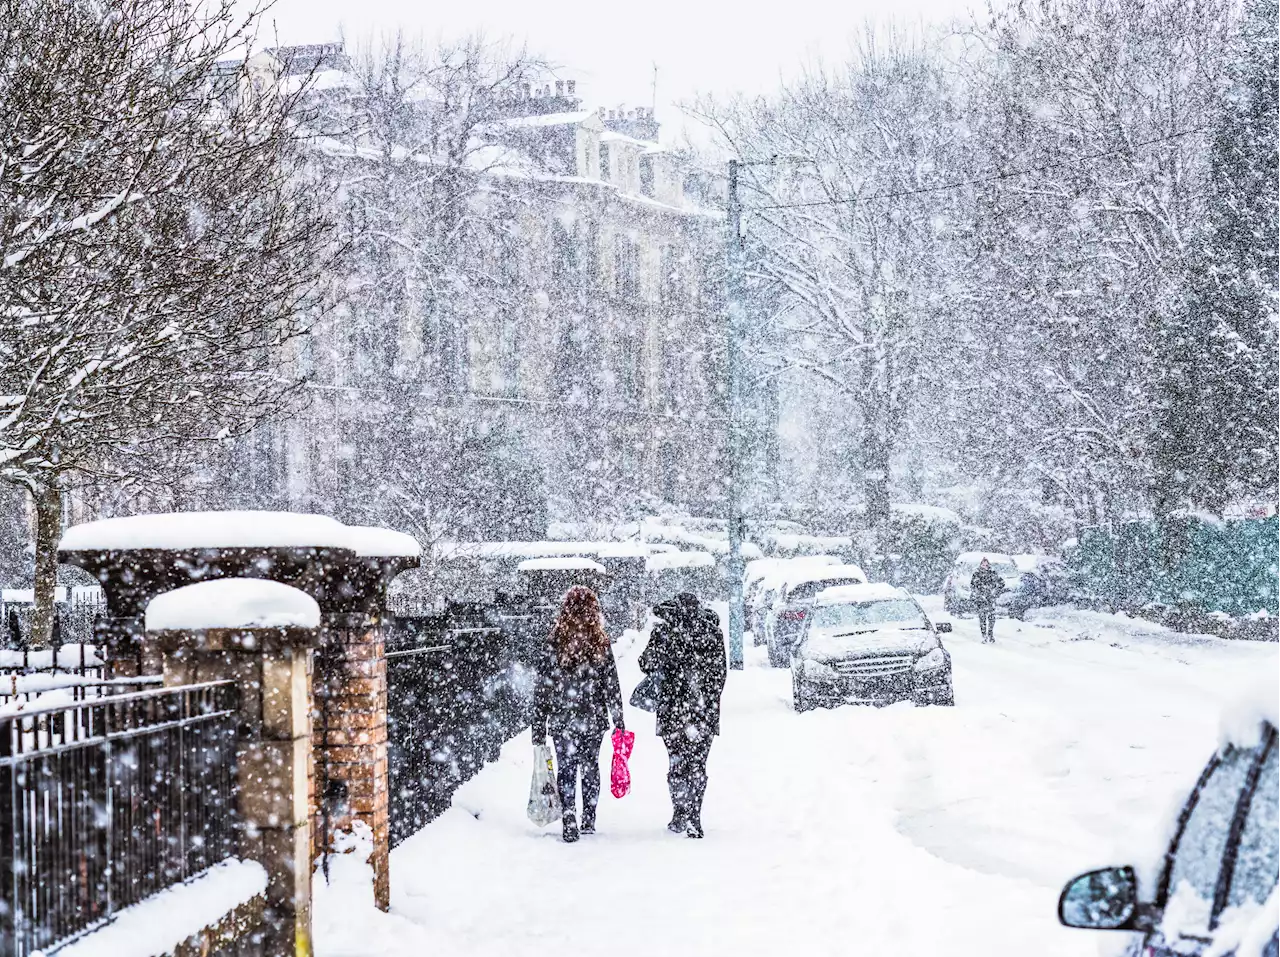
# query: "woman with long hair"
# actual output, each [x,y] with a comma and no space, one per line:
[576,695]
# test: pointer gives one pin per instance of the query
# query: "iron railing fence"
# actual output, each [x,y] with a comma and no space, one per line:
[455,694]
[13,689]
[105,802]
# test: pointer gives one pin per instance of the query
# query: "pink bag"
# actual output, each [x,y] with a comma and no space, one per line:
[620,775]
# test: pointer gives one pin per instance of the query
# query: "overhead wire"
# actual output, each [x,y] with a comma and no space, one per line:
[993,177]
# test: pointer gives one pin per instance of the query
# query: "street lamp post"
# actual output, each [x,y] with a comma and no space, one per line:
[735,257]
[734,308]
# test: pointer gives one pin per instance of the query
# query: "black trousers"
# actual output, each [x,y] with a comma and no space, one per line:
[576,752]
[987,621]
[687,771]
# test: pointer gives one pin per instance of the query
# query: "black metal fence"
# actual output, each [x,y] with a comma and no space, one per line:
[11,691]
[105,802]
[457,688]
[79,659]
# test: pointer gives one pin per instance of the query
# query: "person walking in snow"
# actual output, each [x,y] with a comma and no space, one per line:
[687,650]
[985,586]
[576,694]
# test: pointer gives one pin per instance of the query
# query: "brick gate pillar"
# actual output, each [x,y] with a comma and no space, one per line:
[350,734]
[271,667]
[346,569]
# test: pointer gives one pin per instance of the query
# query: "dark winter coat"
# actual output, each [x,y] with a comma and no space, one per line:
[687,647]
[578,701]
[984,586]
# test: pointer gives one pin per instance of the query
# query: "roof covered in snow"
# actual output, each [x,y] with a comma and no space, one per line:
[559,563]
[187,530]
[233,603]
[973,558]
[548,119]
[671,560]
[852,594]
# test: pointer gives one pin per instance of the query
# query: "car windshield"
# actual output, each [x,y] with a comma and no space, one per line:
[809,589]
[901,612]
[1198,856]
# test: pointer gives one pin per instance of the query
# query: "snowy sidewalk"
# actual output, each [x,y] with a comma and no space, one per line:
[898,831]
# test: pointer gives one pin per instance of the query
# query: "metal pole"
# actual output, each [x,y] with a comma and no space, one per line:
[733,301]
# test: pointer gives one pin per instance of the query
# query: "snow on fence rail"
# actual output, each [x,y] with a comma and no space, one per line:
[116,799]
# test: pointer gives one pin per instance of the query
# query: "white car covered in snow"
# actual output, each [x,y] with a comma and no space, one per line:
[870,644]
[785,617]
[765,578]
[1214,892]
[955,590]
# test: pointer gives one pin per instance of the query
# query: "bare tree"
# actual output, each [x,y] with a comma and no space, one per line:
[1094,115]
[161,240]
[847,241]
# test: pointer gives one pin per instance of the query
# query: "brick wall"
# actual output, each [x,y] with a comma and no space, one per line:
[350,739]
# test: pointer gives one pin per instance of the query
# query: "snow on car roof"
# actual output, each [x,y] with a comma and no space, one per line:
[671,560]
[559,563]
[803,575]
[973,558]
[233,603]
[232,529]
[851,594]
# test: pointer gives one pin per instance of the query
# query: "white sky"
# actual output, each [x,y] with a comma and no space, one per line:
[610,48]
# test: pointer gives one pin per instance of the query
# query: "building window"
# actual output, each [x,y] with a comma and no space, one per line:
[669,276]
[626,268]
[563,264]
[631,367]
[589,256]
[646,176]
[604,163]
[508,353]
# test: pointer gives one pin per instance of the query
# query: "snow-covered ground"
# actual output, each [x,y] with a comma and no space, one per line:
[898,831]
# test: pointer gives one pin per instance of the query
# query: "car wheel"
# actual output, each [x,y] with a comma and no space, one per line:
[799,700]
[775,657]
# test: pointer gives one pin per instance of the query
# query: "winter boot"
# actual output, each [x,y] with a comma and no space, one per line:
[569,823]
[589,819]
[693,827]
[679,818]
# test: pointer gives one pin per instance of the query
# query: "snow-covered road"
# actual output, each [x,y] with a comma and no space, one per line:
[898,831]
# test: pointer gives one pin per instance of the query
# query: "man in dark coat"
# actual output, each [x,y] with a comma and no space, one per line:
[687,650]
[984,587]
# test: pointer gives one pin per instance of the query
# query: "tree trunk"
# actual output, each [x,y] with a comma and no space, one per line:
[875,477]
[48,502]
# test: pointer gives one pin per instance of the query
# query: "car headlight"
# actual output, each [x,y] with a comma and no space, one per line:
[818,669]
[932,661]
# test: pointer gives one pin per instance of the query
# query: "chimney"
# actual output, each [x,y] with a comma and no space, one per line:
[559,88]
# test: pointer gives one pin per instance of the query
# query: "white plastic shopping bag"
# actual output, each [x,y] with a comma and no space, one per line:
[544,799]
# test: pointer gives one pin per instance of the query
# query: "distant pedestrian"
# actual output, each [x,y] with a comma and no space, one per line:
[576,695]
[985,586]
[16,641]
[687,650]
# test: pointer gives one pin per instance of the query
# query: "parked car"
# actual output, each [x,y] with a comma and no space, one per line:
[1054,578]
[785,617]
[1215,889]
[765,578]
[870,644]
[955,590]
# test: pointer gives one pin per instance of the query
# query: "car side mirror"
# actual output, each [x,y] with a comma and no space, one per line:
[943,627]
[1101,900]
